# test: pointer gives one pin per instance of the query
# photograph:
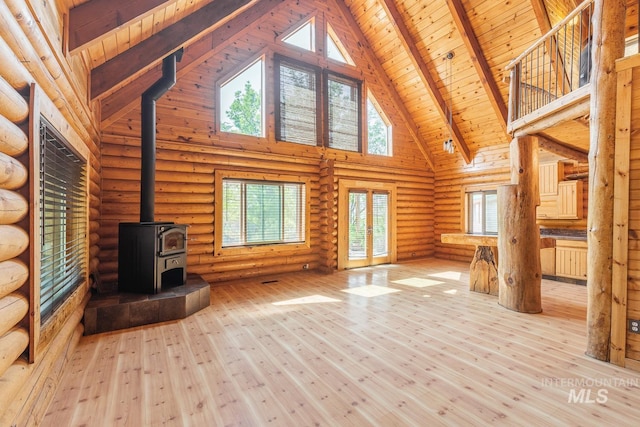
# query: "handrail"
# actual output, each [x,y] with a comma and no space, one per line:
[551,32]
[554,66]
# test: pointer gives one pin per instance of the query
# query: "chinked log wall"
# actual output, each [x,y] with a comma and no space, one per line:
[34,81]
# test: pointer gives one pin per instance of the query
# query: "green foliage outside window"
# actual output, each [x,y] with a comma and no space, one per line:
[245,112]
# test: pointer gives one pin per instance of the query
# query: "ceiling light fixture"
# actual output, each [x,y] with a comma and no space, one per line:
[449,146]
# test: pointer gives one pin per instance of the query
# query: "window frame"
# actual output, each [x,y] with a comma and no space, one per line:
[62,225]
[317,72]
[326,75]
[264,101]
[467,217]
[322,101]
[376,105]
[313,44]
[330,33]
[42,333]
[248,250]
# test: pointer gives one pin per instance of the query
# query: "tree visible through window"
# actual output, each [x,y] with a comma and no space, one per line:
[378,131]
[241,102]
[262,212]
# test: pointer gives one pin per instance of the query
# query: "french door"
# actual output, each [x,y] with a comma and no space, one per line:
[366,224]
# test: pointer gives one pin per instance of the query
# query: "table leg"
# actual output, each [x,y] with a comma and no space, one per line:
[483,272]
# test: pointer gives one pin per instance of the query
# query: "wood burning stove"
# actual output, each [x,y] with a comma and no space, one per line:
[152,256]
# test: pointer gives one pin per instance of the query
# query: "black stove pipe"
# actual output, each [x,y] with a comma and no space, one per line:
[148,143]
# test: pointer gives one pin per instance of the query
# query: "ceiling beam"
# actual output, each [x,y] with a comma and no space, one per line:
[96,19]
[479,61]
[552,145]
[127,97]
[150,52]
[382,75]
[410,46]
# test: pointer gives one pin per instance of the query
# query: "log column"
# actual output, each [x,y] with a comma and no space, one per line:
[608,45]
[519,272]
[328,217]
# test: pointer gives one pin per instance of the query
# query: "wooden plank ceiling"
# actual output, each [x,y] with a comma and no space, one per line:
[123,42]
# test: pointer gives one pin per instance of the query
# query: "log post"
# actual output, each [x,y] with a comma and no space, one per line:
[608,45]
[519,272]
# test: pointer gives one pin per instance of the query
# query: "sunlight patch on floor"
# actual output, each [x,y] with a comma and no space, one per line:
[417,282]
[451,275]
[370,291]
[311,299]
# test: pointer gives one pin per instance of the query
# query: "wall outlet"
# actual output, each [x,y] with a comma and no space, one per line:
[634,326]
[305,266]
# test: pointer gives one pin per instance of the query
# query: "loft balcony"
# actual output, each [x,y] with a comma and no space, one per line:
[549,83]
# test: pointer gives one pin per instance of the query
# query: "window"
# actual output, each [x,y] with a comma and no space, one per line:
[296,110]
[343,118]
[335,49]
[378,130]
[242,102]
[301,104]
[63,220]
[303,37]
[482,212]
[262,212]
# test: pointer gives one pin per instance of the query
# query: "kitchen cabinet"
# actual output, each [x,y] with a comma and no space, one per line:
[558,199]
[570,199]
[548,261]
[571,259]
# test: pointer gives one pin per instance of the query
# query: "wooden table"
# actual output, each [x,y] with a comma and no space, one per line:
[483,271]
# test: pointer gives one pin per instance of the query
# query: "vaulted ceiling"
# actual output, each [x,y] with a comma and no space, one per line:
[123,42]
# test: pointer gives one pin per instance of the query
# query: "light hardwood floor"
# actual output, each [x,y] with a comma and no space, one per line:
[394,345]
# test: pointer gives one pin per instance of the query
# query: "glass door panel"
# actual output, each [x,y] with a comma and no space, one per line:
[357,225]
[368,219]
[380,225]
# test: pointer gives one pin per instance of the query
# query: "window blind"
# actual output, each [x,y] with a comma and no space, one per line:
[258,213]
[298,103]
[491,212]
[63,220]
[343,105]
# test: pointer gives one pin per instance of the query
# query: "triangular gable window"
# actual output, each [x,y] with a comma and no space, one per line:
[378,129]
[303,37]
[335,48]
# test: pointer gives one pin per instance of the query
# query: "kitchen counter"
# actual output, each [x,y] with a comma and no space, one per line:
[563,234]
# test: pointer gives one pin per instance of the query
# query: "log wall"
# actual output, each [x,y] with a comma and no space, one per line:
[35,79]
[490,168]
[191,149]
[14,240]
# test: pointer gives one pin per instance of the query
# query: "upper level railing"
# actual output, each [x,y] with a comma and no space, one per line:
[556,65]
